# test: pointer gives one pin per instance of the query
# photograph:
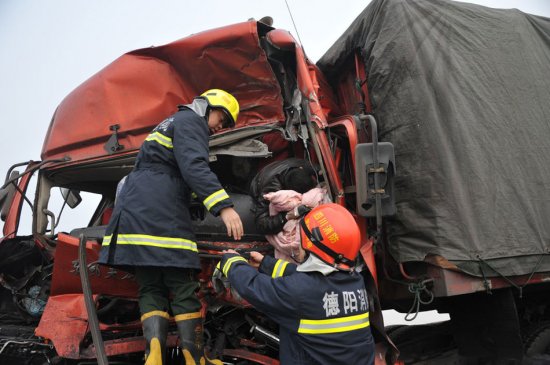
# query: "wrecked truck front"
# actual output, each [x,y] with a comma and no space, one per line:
[114,110]
[93,140]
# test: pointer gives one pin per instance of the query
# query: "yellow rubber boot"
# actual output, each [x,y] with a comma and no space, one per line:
[204,360]
[191,342]
[155,329]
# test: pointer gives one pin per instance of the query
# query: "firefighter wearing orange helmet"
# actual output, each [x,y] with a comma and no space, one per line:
[321,305]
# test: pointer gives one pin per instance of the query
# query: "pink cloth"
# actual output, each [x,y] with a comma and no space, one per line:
[283,201]
[288,240]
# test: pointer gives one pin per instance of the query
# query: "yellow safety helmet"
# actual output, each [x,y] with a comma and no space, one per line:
[218,98]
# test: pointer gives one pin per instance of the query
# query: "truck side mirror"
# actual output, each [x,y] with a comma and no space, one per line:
[365,172]
[72,197]
[6,196]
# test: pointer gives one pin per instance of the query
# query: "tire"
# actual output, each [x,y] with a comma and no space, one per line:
[538,341]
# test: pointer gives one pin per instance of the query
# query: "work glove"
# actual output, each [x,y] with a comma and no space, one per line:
[197,210]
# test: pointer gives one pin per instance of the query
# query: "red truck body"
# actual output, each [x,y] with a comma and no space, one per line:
[288,108]
[95,135]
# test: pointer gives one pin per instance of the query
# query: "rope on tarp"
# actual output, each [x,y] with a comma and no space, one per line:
[418,289]
[486,282]
[518,287]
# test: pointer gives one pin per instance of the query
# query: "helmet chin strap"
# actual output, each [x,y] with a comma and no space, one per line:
[295,257]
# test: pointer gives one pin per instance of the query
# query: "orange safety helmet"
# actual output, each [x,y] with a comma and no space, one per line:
[330,232]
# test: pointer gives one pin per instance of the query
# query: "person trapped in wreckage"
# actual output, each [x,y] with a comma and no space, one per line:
[290,174]
[150,230]
[321,305]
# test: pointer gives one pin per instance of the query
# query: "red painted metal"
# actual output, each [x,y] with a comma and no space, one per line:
[281,39]
[450,282]
[12,220]
[251,356]
[331,168]
[103,279]
[404,272]
[142,87]
[304,71]
[64,322]
[327,98]
[349,96]
[351,135]
[125,346]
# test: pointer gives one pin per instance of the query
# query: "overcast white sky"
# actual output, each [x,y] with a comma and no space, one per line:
[50,47]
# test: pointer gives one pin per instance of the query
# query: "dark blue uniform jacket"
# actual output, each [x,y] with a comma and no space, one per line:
[151,223]
[322,319]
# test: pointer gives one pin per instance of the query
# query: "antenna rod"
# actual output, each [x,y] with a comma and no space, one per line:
[292,18]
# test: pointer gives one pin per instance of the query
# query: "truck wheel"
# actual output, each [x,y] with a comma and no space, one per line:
[423,342]
[538,341]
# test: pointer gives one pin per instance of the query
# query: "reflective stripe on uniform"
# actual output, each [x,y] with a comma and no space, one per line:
[215,198]
[155,313]
[155,241]
[334,325]
[187,316]
[279,269]
[161,139]
[230,262]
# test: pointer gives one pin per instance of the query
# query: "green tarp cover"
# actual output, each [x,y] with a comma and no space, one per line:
[463,93]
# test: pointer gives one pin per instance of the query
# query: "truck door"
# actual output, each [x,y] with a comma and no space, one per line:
[343,136]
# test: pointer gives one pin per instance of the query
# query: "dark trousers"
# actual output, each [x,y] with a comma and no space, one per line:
[157,283]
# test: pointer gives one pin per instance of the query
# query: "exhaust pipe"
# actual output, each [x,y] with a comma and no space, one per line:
[270,337]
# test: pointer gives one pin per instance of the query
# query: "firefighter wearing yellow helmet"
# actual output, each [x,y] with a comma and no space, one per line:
[151,232]
[222,99]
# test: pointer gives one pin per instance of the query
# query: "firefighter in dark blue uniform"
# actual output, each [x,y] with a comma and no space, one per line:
[150,230]
[321,305]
